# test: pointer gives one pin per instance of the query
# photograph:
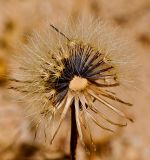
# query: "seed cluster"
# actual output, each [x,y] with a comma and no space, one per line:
[73,72]
[84,61]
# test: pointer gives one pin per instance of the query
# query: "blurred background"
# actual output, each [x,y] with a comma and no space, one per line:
[19,18]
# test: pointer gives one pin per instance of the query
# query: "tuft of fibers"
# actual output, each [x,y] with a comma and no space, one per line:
[72,63]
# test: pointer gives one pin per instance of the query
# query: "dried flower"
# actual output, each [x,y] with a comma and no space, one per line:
[77,64]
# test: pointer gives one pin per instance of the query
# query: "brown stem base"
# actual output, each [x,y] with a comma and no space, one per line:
[74,134]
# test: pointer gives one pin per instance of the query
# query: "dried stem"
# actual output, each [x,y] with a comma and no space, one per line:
[74,134]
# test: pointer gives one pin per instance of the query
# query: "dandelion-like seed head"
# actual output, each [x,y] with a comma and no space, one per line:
[57,71]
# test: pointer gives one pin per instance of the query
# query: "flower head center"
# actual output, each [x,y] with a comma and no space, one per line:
[78,83]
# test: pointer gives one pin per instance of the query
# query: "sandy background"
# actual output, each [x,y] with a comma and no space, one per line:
[19,18]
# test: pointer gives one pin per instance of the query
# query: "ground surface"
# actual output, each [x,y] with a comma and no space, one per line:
[18,18]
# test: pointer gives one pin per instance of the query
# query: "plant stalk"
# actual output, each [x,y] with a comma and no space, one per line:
[74,133]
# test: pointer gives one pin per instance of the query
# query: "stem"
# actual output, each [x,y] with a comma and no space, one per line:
[74,133]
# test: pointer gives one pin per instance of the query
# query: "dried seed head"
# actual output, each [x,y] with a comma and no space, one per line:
[79,65]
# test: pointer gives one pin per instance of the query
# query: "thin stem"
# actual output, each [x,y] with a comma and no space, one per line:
[74,134]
